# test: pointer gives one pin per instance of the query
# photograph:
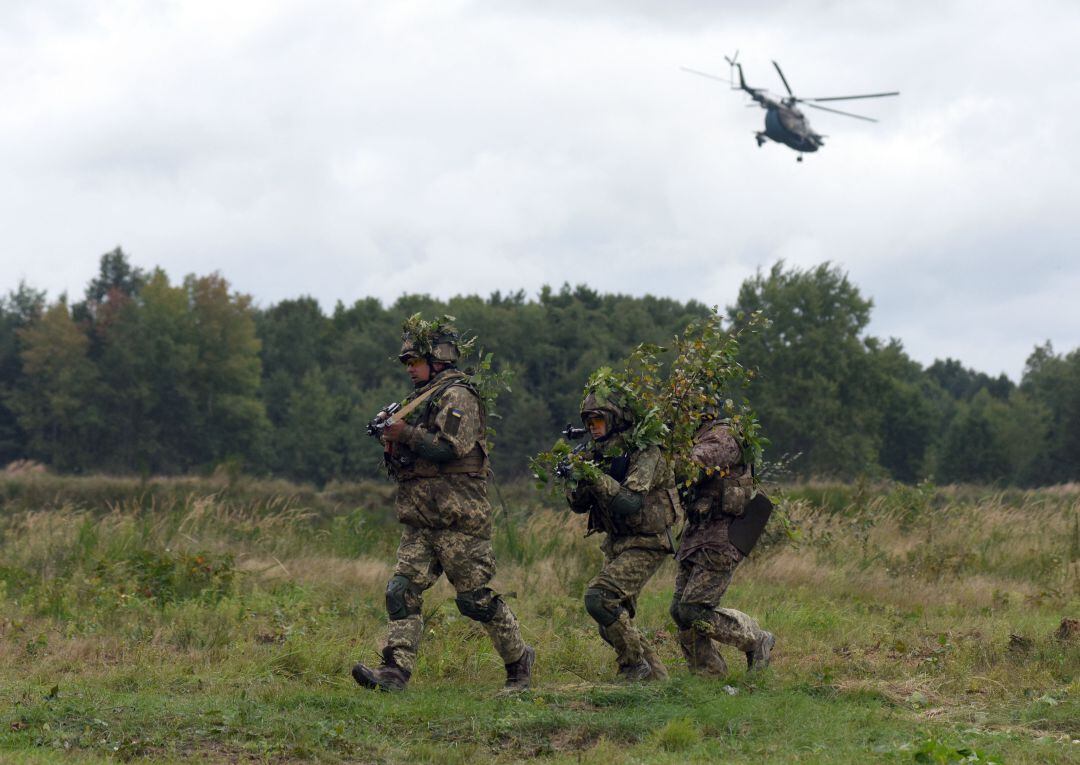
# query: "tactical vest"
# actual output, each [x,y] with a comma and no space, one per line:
[725,494]
[658,513]
[406,464]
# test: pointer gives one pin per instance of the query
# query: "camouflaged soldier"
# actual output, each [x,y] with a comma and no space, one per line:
[707,559]
[439,459]
[635,505]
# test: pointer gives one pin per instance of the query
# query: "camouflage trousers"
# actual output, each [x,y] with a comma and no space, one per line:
[703,578]
[622,579]
[469,564]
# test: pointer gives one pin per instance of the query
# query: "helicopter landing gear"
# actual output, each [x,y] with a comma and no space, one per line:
[760,138]
[798,158]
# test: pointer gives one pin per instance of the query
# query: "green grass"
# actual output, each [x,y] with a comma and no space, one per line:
[174,624]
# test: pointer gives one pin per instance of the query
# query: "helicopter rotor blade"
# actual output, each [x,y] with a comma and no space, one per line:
[706,74]
[783,79]
[846,114]
[848,98]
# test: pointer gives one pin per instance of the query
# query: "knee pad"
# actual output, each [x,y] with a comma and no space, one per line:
[480,604]
[603,606]
[398,603]
[685,614]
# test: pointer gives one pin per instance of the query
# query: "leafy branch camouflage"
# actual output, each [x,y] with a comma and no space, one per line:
[425,335]
[489,384]
[667,403]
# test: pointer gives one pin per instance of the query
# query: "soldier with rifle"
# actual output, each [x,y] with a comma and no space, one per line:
[435,448]
[724,518]
[633,502]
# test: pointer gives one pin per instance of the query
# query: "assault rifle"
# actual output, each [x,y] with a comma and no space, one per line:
[376,426]
[564,468]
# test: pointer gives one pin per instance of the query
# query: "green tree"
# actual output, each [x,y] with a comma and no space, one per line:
[1053,381]
[147,357]
[909,404]
[814,390]
[55,399]
[18,309]
[230,419]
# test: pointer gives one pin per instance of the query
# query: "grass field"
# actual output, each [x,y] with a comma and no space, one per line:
[181,620]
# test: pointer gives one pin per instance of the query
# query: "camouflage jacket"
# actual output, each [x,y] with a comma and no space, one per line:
[717,498]
[634,502]
[441,464]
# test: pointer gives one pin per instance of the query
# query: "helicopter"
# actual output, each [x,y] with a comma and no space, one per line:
[784,123]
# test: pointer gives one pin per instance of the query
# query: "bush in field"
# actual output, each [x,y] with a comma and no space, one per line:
[167,576]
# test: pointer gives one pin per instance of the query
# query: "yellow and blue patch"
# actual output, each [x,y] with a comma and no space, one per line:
[453,422]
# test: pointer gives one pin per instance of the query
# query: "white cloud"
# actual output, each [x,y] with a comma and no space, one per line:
[343,150]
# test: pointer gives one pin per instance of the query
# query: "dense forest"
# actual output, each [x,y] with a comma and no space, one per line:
[146,376]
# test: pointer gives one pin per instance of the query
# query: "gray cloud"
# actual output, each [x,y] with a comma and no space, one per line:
[343,151]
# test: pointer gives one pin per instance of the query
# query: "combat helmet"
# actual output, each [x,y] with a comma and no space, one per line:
[611,407]
[434,341]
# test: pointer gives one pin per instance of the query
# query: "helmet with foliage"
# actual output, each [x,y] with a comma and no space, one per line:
[436,341]
[608,405]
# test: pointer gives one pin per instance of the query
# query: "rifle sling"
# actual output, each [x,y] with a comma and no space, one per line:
[410,407]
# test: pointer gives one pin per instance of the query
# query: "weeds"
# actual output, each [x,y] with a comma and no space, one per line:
[176,620]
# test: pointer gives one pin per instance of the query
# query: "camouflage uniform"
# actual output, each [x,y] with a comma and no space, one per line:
[441,466]
[634,504]
[707,560]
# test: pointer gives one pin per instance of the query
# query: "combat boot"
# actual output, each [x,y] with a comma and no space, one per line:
[659,671]
[386,677]
[758,658]
[702,658]
[633,673]
[519,674]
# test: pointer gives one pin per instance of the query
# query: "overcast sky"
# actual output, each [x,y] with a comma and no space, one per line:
[343,150]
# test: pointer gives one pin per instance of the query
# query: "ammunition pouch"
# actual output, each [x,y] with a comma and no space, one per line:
[720,494]
[735,495]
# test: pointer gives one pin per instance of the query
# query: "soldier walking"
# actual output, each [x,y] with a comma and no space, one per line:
[634,503]
[707,559]
[438,456]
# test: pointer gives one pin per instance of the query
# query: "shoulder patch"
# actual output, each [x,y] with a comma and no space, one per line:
[453,422]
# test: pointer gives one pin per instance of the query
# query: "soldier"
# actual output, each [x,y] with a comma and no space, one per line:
[439,459]
[634,504]
[707,559]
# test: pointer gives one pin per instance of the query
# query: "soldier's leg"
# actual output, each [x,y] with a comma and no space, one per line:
[611,599]
[702,656]
[698,607]
[470,564]
[417,570]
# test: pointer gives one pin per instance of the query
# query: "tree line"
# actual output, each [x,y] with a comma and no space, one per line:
[146,376]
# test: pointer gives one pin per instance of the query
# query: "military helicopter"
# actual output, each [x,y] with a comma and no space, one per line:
[784,123]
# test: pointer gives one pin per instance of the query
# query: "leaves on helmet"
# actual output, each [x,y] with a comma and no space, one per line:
[425,335]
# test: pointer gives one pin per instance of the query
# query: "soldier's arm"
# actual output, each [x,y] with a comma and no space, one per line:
[580,498]
[458,428]
[629,496]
